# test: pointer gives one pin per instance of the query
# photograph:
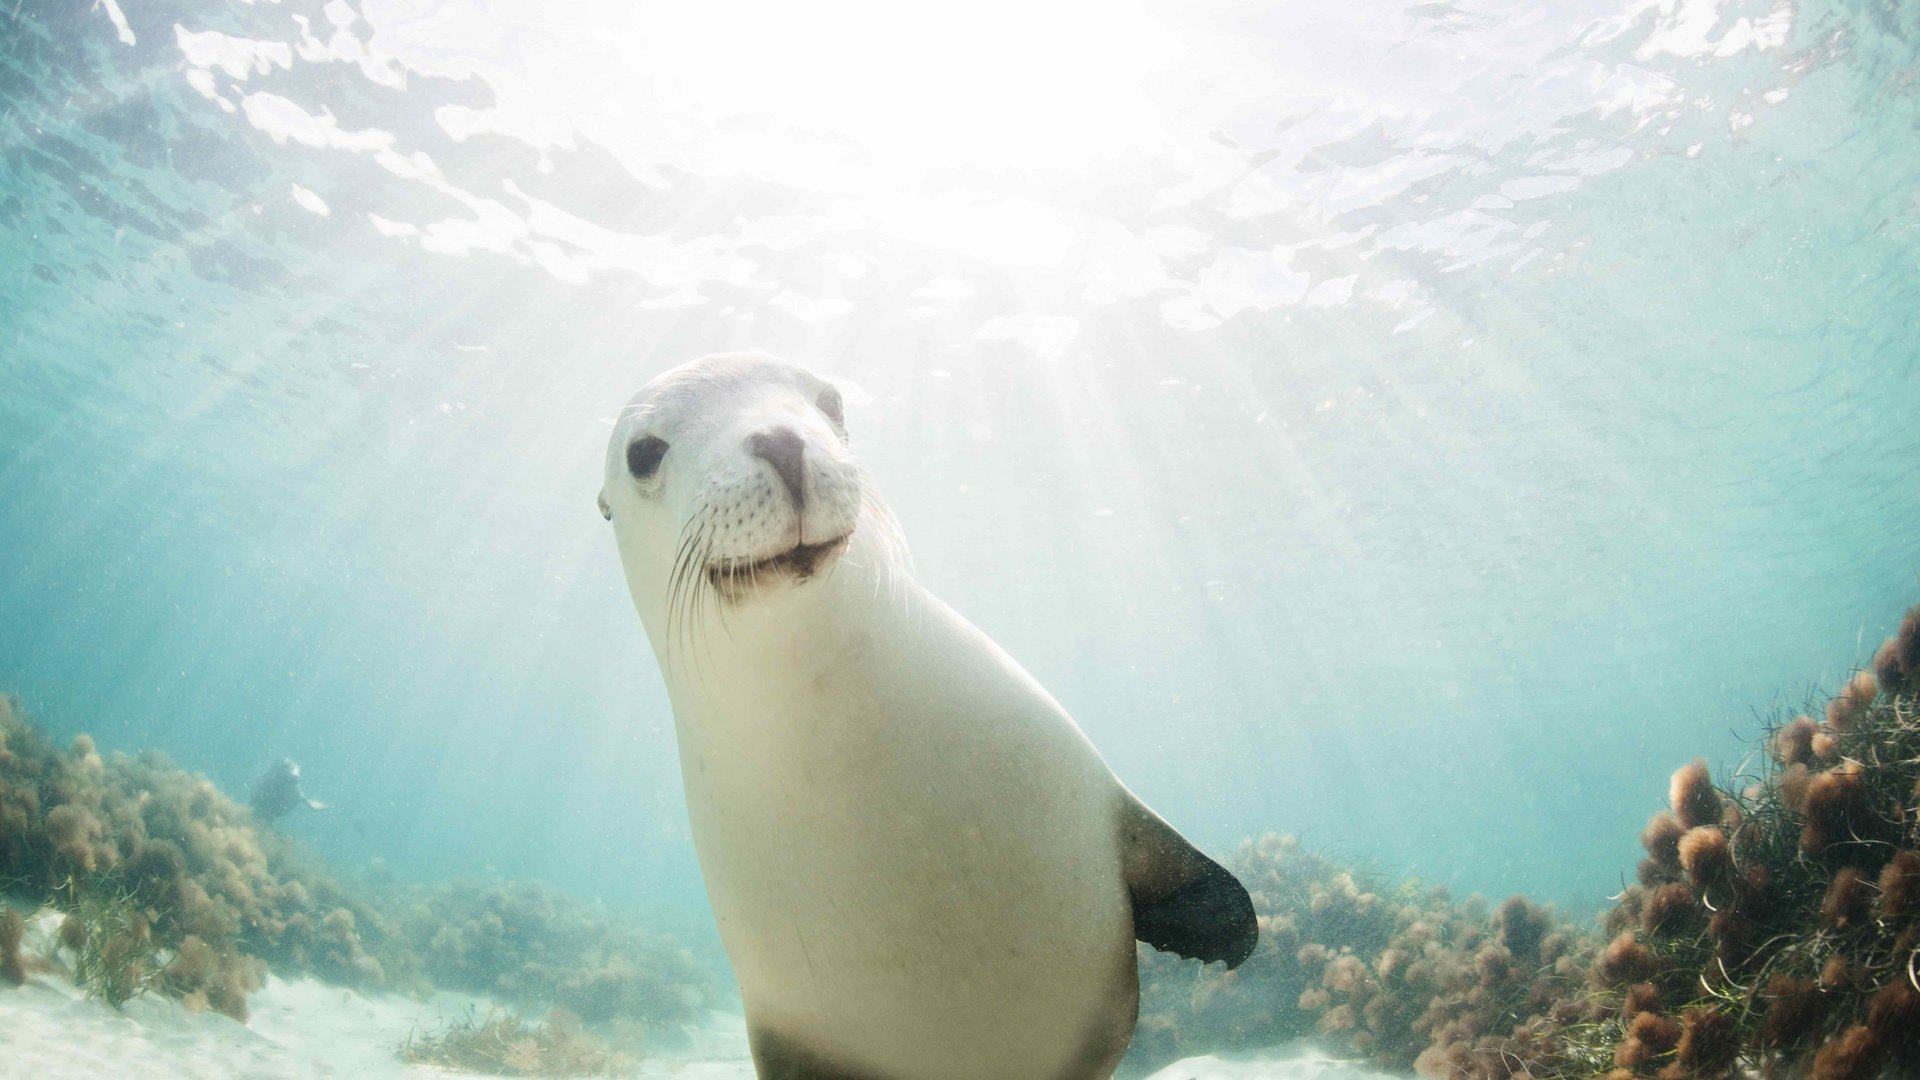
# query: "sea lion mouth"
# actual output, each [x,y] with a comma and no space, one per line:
[798,563]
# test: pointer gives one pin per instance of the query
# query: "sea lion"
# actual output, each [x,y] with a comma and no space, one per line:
[921,869]
[277,792]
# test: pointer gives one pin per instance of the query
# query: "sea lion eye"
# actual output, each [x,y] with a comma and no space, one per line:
[643,456]
[829,402]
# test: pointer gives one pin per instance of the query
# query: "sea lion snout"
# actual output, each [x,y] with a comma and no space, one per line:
[787,512]
[785,483]
[783,448]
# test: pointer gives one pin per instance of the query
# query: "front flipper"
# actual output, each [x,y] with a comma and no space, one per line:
[1183,902]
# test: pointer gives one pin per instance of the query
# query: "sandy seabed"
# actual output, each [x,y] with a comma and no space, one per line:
[303,1029]
[300,1029]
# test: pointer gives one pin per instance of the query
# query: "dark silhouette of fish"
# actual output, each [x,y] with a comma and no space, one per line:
[277,792]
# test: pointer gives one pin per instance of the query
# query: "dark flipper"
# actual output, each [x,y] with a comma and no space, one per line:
[1183,902]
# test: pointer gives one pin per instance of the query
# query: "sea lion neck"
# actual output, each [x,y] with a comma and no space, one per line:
[784,644]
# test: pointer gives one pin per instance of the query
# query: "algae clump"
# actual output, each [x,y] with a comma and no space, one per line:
[165,884]
[501,1044]
[1774,931]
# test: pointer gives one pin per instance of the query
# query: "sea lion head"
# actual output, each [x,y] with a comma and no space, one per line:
[729,477]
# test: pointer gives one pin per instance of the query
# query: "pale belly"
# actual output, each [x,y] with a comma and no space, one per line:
[922,895]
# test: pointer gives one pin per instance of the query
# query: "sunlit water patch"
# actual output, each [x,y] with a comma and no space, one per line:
[1393,423]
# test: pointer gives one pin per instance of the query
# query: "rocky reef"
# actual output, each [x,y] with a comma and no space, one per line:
[1774,931]
[162,883]
[520,942]
[1398,973]
[1776,923]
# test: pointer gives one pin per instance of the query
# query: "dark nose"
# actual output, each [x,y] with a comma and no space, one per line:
[781,447]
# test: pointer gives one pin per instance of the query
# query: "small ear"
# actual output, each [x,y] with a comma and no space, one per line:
[606,510]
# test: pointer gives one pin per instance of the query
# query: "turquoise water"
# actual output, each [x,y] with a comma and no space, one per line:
[1419,428]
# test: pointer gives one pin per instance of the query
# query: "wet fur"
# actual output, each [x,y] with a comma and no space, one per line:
[920,867]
